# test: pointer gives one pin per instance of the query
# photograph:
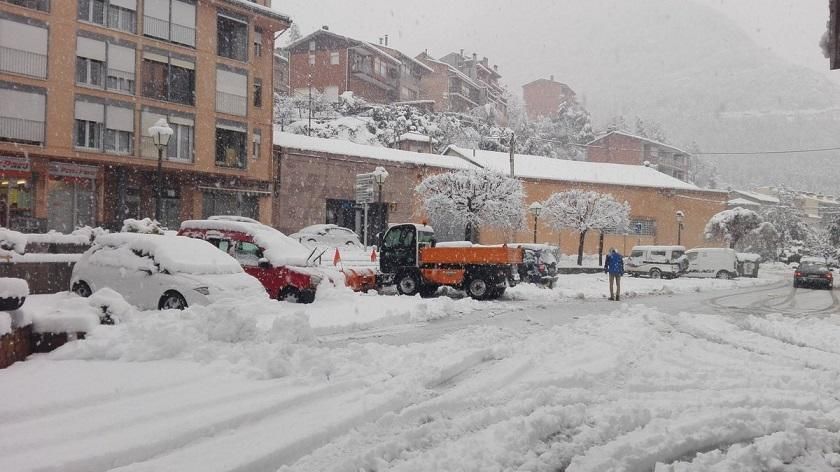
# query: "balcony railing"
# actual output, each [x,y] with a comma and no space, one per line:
[20,130]
[230,103]
[23,62]
[155,27]
[366,72]
[182,34]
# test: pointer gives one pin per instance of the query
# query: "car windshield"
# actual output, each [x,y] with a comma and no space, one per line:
[813,267]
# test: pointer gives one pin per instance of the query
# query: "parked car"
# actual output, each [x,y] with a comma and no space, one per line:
[812,273]
[328,236]
[161,272]
[655,261]
[279,262]
[721,263]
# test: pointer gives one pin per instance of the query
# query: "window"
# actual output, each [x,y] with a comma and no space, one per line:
[255,144]
[122,15]
[92,11]
[232,37]
[120,72]
[22,116]
[231,92]
[88,134]
[258,42]
[168,78]
[312,59]
[334,58]
[223,203]
[43,5]
[119,130]
[247,254]
[90,62]
[643,227]
[171,20]
[311,45]
[230,146]
[23,49]
[257,92]
[181,146]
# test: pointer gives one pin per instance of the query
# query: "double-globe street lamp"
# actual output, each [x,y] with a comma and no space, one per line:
[535,209]
[160,133]
[379,176]
[680,218]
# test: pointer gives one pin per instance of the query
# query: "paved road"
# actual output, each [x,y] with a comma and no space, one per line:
[779,297]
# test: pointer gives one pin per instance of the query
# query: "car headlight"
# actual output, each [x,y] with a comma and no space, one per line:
[203,290]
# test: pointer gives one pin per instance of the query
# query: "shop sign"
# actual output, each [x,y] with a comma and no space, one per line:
[65,169]
[19,164]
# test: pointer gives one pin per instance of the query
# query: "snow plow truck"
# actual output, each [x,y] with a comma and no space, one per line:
[410,259]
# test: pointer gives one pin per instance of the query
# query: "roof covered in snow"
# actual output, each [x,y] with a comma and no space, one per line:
[755,197]
[416,137]
[337,146]
[640,138]
[742,202]
[539,167]
[278,248]
[262,9]
[176,254]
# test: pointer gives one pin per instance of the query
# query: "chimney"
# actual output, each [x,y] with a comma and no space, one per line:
[380,40]
[462,53]
[485,62]
[325,28]
[386,39]
[496,67]
[552,77]
[475,57]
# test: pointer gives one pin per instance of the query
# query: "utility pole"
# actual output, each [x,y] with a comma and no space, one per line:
[512,151]
[309,127]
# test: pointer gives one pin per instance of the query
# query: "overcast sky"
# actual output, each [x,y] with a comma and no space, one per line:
[790,28]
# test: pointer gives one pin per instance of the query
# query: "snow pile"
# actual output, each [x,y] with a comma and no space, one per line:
[13,288]
[176,254]
[79,237]
[62,313]
[144,226]
[11,241]
[111,306]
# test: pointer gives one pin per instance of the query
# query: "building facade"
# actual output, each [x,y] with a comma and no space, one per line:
[81,81]
[333,64]
[617,147]
[281,72]
[448,88]
[543,97]
[490,90]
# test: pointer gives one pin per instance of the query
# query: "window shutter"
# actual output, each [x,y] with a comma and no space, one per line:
[120,118]
[90,111]
[24,37]
[90,48]
[22,105]
[120,58]
[129,4]
[185,64]
[230,127]
[158,9]
[147,120]
[232,83]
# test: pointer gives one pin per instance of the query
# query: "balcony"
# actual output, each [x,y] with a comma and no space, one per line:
[23,62]
[163,29]
[232,104]
[21,131]
[364,71]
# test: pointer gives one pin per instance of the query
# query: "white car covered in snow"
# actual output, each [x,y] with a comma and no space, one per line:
[162,272]
[328,236]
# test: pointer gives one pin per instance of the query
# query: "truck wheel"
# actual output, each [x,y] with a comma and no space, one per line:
[407,284]
[428,291]
[723,275]
[655,274]
[478,288]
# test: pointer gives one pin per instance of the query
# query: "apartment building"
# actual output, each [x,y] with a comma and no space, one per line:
[618,147]
[333,64]
[450,89]
[81,81]
[281,72]
[487,78]
[543,97]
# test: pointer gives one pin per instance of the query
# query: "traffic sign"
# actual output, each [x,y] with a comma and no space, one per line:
[365,188]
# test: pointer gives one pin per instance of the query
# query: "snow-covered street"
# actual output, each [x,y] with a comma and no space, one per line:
[741,378]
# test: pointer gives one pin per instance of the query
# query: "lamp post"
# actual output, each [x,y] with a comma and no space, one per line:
[160,133]
[680,218]
[379,176]
[535,209]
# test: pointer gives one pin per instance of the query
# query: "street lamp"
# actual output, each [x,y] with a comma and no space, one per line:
[160,133]
[535,209]
[680,218]
[379,176]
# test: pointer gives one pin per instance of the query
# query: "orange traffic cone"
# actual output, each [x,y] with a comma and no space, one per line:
[373,255]
[336,257]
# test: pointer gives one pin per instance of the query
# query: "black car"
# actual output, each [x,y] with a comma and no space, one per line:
[813,274]
[539,266]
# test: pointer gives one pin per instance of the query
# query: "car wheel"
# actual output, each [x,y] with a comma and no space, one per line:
[478,288]
[82,289]
[723,275]
[290,294]
[172,301]
[655,274]
[407,284]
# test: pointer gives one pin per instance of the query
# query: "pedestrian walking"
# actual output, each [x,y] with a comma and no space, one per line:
[614,266]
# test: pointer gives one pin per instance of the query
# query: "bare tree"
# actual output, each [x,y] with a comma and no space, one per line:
[474,198]
[582,211]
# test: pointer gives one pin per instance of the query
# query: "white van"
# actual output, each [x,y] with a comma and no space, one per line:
[718,262]
[655,262]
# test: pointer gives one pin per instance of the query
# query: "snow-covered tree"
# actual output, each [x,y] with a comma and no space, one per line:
[473,198]
[582,211]
[732,225]
[764,241]
[788,223]
[819,244]
[833,230]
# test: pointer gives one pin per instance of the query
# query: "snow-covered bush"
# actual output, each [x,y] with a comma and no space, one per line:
[764,241]
[474,198]
[12,241]
[145,226]
[583,210]
[732,225]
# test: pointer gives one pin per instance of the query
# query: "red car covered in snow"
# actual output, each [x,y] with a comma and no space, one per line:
[277,261]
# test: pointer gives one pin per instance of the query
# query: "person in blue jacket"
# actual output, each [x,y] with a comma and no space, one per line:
[614,265]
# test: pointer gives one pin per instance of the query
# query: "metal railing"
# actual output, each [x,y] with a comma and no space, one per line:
[182,34]
[18,129]
[230,103]
[169,31]
[23,62]
[155,27]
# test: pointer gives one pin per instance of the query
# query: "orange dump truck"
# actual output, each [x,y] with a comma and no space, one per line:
[410,260]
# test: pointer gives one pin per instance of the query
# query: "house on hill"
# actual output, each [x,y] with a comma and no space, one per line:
[618,147]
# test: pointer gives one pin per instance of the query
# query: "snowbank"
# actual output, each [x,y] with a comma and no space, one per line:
[61,313]
[13,288]
[12,241]
[144,226]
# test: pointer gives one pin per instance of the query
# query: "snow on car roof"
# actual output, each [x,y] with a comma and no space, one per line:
[278,248]
[317,228]
[540,167]
[338,146]
[175,254]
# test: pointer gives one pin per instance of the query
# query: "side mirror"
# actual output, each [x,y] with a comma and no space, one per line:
[263,263]
[434,242]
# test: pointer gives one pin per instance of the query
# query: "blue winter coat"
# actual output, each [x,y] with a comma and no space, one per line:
[614,264]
